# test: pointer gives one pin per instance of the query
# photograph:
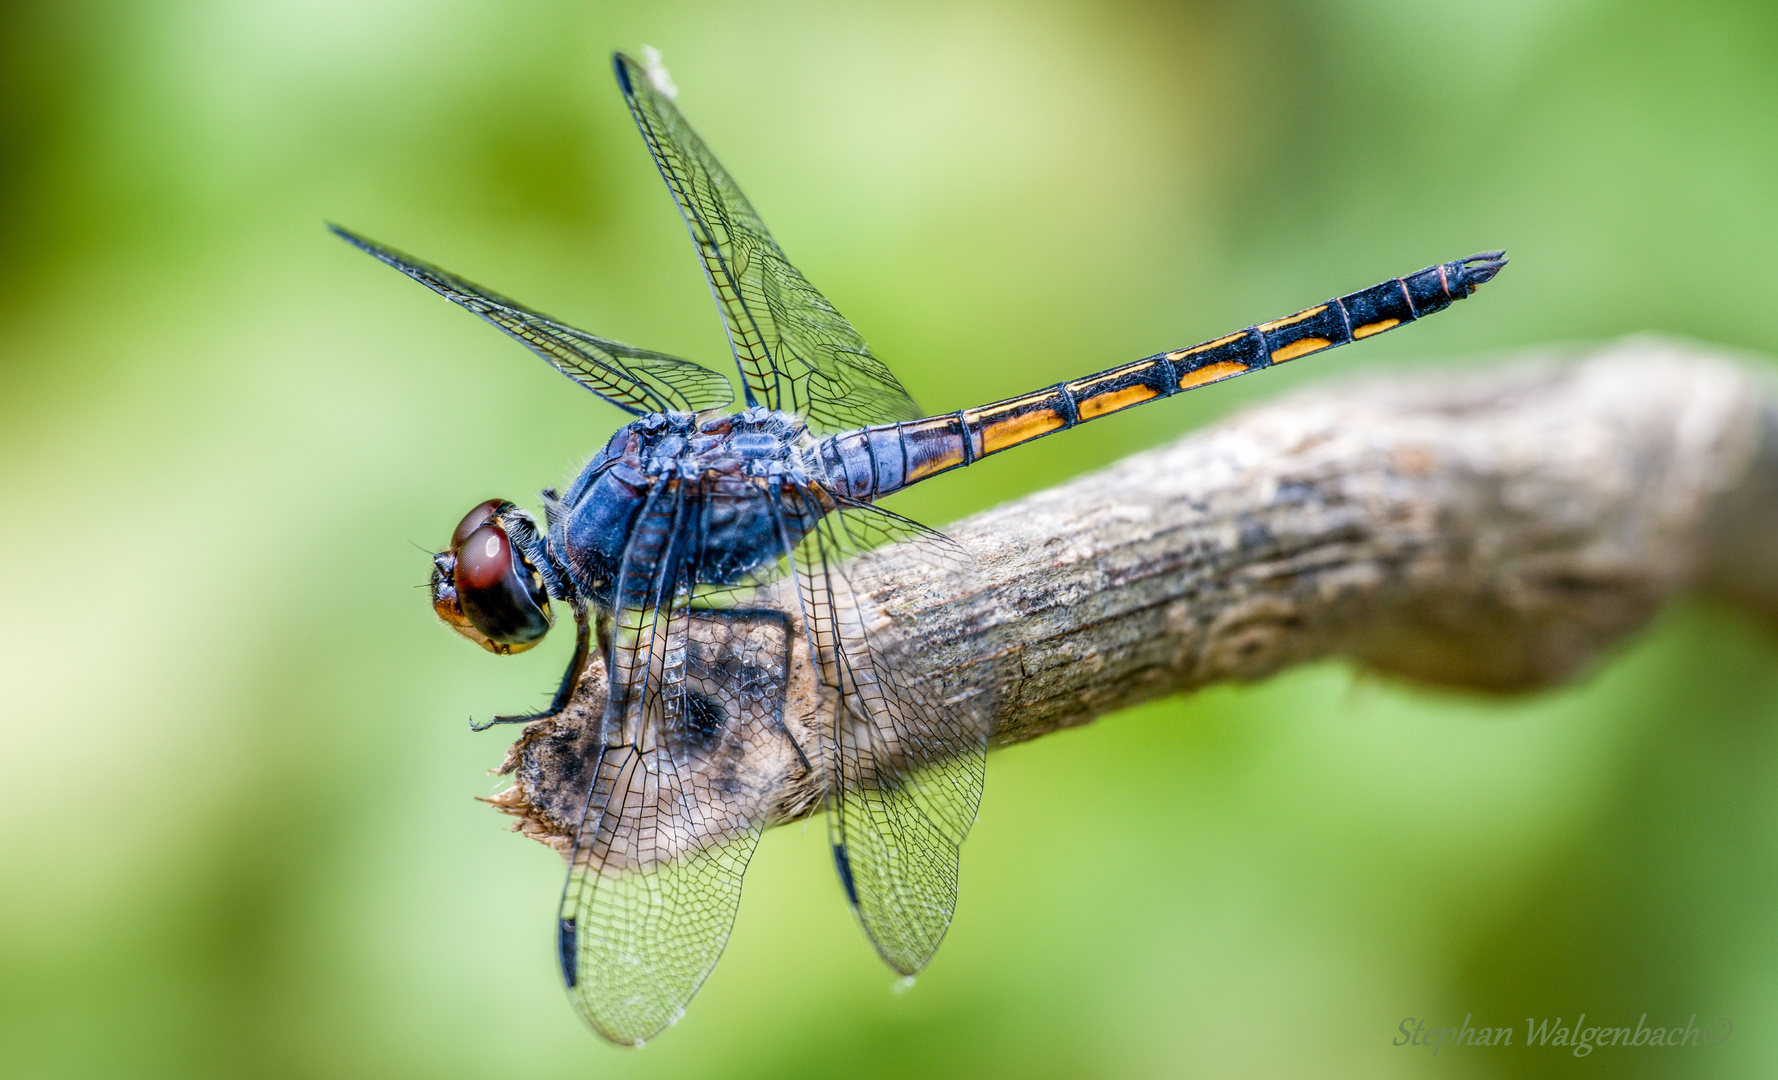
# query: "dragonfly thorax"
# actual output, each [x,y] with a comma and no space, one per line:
[715,497]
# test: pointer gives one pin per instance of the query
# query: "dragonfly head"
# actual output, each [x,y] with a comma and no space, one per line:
[486,585]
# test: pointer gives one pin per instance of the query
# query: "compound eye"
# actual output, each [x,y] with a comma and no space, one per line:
[475,519]
[497,590]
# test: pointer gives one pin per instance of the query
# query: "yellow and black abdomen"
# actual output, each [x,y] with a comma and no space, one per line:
[871,462]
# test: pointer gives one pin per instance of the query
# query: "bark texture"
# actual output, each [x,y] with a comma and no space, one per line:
[1494,532]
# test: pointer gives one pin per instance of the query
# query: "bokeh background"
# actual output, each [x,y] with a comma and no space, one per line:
[238,834]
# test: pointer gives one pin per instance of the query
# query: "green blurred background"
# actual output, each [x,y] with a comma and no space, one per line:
[240,835]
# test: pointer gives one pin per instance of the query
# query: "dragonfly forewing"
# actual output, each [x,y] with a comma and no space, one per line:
[652,893]
[636,380]
[795,351]
[692,752]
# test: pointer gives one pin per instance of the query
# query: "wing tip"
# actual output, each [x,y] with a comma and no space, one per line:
[347,235]
[651,69]
[386,255]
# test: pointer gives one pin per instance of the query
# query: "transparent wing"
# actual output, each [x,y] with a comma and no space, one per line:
[644,922]
[679,794]
[907,738]
[635,380]
[794,350]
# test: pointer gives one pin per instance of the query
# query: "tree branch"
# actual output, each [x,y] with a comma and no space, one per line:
[1493,532]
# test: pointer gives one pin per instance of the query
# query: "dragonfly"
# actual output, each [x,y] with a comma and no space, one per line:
[708,553]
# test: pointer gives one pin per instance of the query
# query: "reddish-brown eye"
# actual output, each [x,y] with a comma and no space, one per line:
[497,591]
[475,519]
[483,558]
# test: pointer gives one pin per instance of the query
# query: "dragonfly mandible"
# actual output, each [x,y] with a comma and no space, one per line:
[749,526]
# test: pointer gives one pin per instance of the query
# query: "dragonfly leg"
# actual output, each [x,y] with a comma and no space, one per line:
[583,636]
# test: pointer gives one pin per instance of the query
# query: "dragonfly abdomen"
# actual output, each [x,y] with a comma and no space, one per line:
[871,462]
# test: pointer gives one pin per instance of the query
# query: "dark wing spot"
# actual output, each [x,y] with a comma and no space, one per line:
[844,865]
[565,941]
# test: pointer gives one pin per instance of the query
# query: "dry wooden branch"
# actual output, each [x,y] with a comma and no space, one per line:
[1493,532]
